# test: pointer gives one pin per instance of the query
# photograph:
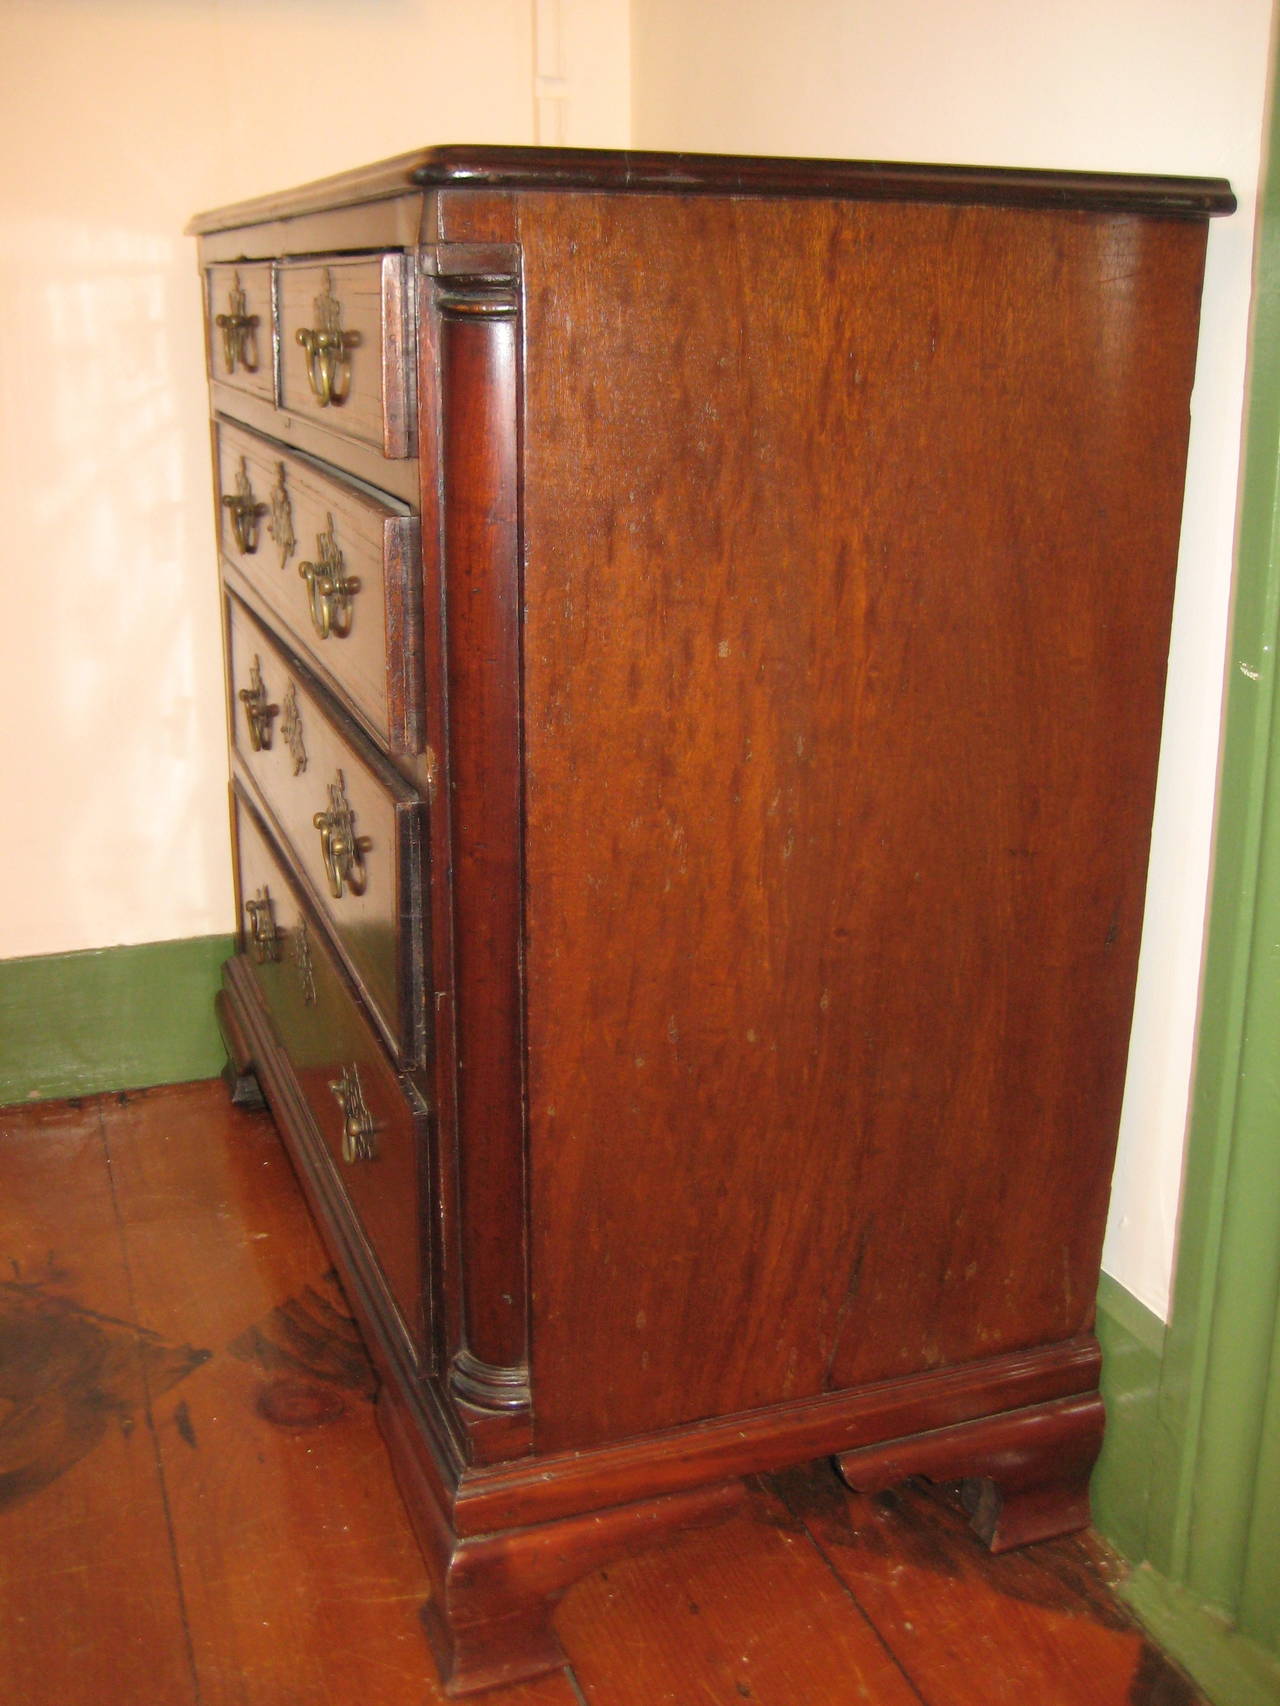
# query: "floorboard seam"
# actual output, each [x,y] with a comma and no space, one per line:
[123,1234]
[575,1686]
[852,1597]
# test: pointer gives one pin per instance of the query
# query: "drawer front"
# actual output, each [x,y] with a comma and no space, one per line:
[355,829]
[335,564]
[241,325]
[373,1142]
[346,353]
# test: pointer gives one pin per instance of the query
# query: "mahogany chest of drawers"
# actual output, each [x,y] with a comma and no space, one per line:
[695,635]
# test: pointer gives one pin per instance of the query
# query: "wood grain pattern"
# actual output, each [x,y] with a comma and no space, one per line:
[375,405]
[709,1608]
[378,927]
[841,748]
[372,661]
[1036,1625]
[268,1452]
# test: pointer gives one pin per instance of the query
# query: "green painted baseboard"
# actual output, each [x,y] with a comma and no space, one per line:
[109,1019]
[1231,1670]
[1132,1341]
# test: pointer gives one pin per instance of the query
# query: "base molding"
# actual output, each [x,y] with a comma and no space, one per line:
[1025,1473]
[883,1415]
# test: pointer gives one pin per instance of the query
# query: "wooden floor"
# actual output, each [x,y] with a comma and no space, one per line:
[195,1509]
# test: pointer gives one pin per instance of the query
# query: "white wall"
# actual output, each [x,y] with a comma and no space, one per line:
[1110,85]
[118,120]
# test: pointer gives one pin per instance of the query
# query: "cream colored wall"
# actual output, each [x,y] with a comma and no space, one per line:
[1109,85]
[118,120]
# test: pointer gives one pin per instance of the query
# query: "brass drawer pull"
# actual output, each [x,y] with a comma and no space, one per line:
[357,1122]
[329,591]
[245,512]
[258,713]
[239,332]
[264,937]
[342,851]
[325,345]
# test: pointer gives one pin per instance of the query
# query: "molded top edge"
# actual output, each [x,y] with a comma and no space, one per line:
[493,167]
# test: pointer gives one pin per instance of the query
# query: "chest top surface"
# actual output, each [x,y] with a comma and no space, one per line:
[482,166]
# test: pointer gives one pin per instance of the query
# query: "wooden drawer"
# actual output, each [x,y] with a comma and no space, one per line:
[340,1070]
[346,348]
[241,328]
[324,786]
[335,562]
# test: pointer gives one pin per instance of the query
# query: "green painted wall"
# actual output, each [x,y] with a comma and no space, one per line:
[109,1019]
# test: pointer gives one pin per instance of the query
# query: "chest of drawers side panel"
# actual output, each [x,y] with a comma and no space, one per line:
[847,619]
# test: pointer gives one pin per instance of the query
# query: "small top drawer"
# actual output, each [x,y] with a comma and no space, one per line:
[334,562]
[242,328]
[346,348]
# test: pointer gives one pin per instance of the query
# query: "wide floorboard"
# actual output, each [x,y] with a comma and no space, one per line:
[196,1510]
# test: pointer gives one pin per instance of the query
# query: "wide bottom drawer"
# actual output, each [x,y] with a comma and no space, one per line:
[364,1134]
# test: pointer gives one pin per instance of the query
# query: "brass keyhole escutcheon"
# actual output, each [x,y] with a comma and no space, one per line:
[301,954]
[357,1122]
[342,851]
[280,527]
[329,591]
[239,331]
[264,937]
[258,712]
[291,729]
[245,512]
[326,347]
